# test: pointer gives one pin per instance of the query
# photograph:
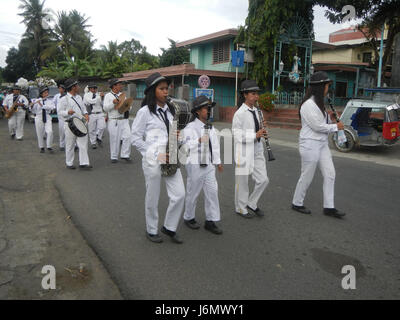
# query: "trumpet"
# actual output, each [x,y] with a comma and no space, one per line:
[265,138]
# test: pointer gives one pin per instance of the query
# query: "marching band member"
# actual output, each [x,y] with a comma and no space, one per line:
[43,122]
[17,120]
[314,147]
[72,105]
[150,132]
[201,176]
[118,125]
[97,123]
[61,121]
[249,153]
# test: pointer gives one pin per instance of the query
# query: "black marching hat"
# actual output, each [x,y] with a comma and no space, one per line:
[113,82]
[43,89]
[15,87]
[319,78]
[60,85]
[153,80]
[249,85]
[200,102]
[70,83]
[92,85]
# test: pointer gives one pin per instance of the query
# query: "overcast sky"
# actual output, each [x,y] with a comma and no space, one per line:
[151,22]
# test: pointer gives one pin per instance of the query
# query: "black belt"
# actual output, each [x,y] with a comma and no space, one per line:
[97,112]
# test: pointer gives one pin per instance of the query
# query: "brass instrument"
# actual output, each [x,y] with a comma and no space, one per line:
[181,118]
[14,108]
[265,138]
[124,103]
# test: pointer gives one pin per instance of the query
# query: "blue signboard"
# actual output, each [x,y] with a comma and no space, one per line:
[209,93]
[238,58]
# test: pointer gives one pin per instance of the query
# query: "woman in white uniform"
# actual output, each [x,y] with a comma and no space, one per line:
[150,133]
[43,122]
[249,153]
[204,155]
[314,147]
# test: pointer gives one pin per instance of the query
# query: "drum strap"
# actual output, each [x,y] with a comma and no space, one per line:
[77,104]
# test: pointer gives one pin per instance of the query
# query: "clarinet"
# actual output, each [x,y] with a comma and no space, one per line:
[340,134]
[265,138]
[335,115]
[205,146]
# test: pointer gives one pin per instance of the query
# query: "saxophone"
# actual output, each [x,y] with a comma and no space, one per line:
[171,167]
[14,108]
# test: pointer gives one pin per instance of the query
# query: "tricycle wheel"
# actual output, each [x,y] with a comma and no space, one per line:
[347,146]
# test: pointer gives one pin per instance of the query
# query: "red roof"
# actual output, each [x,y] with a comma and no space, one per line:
[182,69]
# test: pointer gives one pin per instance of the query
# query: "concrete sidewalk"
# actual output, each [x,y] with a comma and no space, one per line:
[36,230]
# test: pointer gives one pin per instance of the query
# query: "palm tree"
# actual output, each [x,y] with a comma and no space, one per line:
[36,37]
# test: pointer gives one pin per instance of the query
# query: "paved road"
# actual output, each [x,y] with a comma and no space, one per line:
[285,255]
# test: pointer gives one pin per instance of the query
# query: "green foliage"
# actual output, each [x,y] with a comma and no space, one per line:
[173,55]
[262,28]
[265,101]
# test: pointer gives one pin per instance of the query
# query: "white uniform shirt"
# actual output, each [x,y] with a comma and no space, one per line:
[315,125]
[47,104]
[244,129]
[8,102]
[191,135]
[96,102]
[70,102]
[149,133]
[109,105]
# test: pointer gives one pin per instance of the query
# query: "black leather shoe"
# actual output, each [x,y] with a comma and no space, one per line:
[114,160]
[13,136]
[50,150]
[192,224]
[42,150]
[71,167]
[154,238]
[174,237]
[127,159]
[212,227]
[258,211]
[86,167]
[301,209]
[94,146]
[334,213]
[248,215]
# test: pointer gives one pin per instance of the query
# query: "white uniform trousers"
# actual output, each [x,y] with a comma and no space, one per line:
[61,132]
[259,175]
[41,128]
[313,153]
[16,124]
[176,194]
[97,124]
[70,141]
[119,130]
[201,178]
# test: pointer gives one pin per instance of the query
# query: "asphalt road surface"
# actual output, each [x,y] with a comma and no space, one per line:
[285,255]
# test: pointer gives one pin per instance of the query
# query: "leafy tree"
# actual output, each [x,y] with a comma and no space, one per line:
[374,14]
[262,28]
[173,55]
[18,65]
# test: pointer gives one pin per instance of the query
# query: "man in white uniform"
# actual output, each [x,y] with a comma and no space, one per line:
[94,104]
[17,120]
[71,105]
[43,122]
[61,121]
[201,141]
[249,153]
[314,146]
[118,124]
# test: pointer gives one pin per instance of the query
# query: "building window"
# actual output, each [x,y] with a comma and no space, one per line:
[341,89]
[367,56]
[221,51]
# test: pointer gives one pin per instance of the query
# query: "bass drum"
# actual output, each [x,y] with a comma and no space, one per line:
[78,127]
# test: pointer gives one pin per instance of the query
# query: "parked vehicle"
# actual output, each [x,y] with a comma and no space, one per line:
[33,93]
[371,122]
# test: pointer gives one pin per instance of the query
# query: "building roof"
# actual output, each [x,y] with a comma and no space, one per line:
[340,66]
[182,69]
[220,35]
